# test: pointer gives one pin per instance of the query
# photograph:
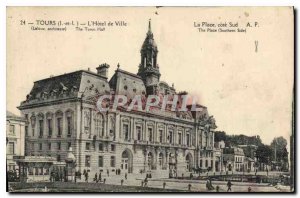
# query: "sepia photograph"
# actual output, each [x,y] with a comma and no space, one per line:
[150,99]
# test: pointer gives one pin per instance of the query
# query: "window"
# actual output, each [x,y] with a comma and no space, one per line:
[206,163]
[188,139]
[49,127]
[41,126]
[126,132]
[100,161]
[160,160]
[49,146]
[171,137]
[99,124]
[59,129]
[58,158]
[26,130]
[40,146]
[87,146]
[11,148]
[58,145]
[139,133]
[69,125]
[179,138]
[32,124]
[150,134]
[88,161]
[113,147]
[12,129]
[100,147]
[160,136]
[112,161]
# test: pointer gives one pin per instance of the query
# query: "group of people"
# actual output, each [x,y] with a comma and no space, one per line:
[209,186]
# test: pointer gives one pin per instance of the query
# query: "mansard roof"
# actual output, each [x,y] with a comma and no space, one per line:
[67,86]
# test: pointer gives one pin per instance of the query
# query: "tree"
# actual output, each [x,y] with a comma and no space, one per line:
[278,146]
[264,154]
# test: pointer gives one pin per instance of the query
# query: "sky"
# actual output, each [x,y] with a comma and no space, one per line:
[247,91]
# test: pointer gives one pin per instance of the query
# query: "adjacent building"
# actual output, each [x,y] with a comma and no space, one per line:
[233,158]
[61,113]
[15,139]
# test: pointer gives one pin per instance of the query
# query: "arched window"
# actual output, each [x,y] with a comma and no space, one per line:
[49,120]
[150,160]
[41,124]
[33,120]
[69,120]
[99,124]
[59,122]
[160,160]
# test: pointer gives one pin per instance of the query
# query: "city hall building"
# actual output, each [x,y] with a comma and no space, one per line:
[61,113]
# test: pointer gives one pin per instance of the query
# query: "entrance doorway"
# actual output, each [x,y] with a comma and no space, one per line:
[126,161]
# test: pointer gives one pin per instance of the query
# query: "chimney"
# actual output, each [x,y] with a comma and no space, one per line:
[102,70]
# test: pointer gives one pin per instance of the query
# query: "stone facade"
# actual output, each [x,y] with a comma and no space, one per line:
[15,133]
[61,113]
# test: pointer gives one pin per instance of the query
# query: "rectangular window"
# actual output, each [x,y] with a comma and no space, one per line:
[41,125]
[112,161]
[113,147]
[100,147]
[87,146]
[88,161]
[126,131]
[59,126]
[49,146]
[188,139]
[58,145]
[139,133]
[32,131]
[69,125]
[150,134]
[50,127]
[171,137]
[12,129]
[160,136]
[58,158]
[179,138]
[100,161]
[11,148]
[26,130]
[40,146]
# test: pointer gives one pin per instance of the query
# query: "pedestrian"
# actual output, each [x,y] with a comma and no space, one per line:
[100,176]
[229,184]
[164,185]
[189,187]
[249,189]
[218,188]
[96,177]
[86,177]
[146,182]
